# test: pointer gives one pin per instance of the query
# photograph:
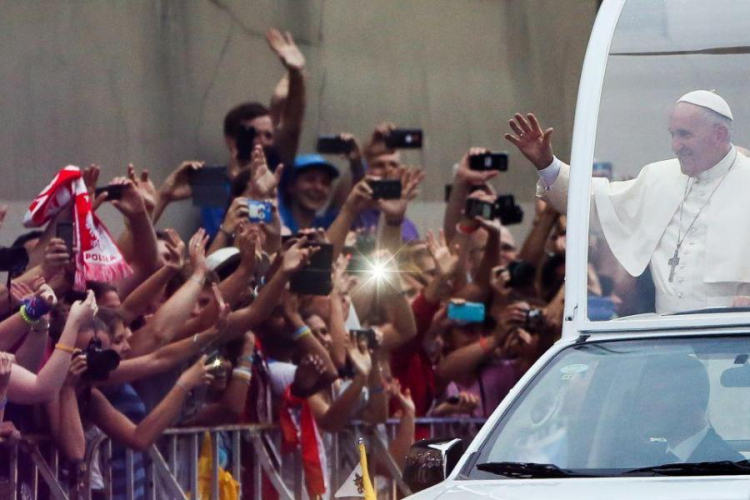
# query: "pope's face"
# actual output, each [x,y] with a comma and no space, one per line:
[695,140]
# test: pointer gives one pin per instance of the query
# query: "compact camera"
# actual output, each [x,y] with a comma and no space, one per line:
[260,211]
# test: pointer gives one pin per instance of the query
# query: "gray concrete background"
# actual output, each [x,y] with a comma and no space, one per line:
[149,82]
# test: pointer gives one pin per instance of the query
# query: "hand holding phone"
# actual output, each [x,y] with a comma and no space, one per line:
[404,138]
[64,231]
[385,189]
[114,191]
[466,312]
[489,161]
[334,144]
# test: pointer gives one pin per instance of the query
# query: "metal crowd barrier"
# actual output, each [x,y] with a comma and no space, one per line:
[172,467]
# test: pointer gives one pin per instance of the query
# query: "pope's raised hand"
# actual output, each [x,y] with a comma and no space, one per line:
[531,140]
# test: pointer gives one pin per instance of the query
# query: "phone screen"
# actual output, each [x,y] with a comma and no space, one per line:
[64,231]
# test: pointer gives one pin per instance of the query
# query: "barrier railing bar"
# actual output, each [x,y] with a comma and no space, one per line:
[272,474]
[236,458]
[166,479]
[214,464]
[380,447]
[40,464]
[150,480]
[129,474]
[13,475]
[194,468]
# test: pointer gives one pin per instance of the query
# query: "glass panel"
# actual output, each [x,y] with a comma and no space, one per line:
[618,405]
[667,228]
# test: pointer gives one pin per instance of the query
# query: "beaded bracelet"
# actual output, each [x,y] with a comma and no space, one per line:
[301,332]
[248,358]
[483,343]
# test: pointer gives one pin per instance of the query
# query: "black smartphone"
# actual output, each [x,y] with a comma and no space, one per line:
[210,186]
[480,208]
[332,144]
[489,161]
[245,143]
[368,335]
[315,278]
[114,191]
[404,138]
[386,189]
[507,211]
[64,231]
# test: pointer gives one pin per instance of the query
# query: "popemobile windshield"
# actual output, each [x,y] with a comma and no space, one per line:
[656,191]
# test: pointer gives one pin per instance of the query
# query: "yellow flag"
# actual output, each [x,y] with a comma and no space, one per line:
[369,492]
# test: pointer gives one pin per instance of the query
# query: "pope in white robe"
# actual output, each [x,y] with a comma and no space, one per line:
[682,217]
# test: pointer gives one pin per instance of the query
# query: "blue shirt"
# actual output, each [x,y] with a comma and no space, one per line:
[287,219]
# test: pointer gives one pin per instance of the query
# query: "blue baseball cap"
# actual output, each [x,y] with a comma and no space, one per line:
[304,162]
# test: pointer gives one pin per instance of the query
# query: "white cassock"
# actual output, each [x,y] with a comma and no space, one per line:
[640,220]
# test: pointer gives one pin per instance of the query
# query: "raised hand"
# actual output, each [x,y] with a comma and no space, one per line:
[531,140]
[360,197]
[395,210]
[223,307]
[145,187]
[44,292]
[248,242]
[263,182]
[91,178]
[175,250]
[308,376]
[177,185]
[284,47]
[132,202]
[237,213]
[197,251]
[3,213]
[56,257]
[446,260]
[296,257]
[469,177]
[196,375]
[360,357]
[82,311]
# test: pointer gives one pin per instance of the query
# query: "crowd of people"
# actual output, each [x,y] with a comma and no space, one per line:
[305,298]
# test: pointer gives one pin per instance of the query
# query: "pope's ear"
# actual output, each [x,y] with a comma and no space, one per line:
[722,133]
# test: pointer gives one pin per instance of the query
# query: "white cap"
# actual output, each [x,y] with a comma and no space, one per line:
[219,258]
[708,99]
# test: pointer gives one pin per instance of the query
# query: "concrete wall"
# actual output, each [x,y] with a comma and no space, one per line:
[148,82]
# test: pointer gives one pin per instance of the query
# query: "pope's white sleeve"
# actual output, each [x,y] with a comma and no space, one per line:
[548,175]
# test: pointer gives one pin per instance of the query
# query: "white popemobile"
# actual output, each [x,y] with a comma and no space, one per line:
[649,398]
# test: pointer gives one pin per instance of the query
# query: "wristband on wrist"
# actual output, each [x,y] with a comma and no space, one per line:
[201,282]
[242,373]
[301,332]
[463,229]
[36,307]
[65,348]
[485,345]
[26,317]
[248,358]
[182,386]
[195,338]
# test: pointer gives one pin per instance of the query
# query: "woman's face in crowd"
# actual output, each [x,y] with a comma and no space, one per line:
[109,299]
[311,189]
[121,340]
[204,299]
[320,330]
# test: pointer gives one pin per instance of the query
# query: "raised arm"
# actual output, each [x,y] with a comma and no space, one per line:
[166,322]
[176,187]
[64,415]
[360,198]
[356,171]
[140,437]
[27,388]
[394,211]
[293,111]
[464,180]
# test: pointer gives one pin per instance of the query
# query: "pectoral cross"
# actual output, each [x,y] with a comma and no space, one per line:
[673,263]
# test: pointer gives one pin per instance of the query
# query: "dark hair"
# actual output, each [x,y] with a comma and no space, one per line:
[108,318]
[100,288]
[26,237]
[241,113]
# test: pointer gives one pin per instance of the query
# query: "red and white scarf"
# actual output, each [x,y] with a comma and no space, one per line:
[300,432]
[97,258]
